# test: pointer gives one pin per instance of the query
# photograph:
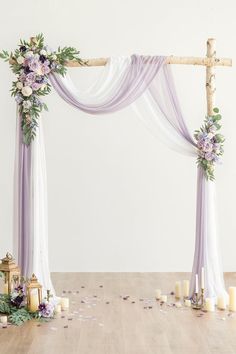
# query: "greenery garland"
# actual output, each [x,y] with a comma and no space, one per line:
[32,62]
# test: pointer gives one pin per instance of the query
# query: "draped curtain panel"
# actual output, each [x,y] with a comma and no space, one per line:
[147,84]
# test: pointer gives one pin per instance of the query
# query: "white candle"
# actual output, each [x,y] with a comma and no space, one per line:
[158,294]
[58,308]
[203,278]
[196,285]
[34,302]
[186,288]
[178,304]
[187,303]
[232,298]
[3,319]
[221,303]
[64,303]
[209,304]
[178,289]
[163,298]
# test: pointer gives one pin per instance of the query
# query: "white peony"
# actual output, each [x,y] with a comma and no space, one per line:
[26,91]
[19,85]
[20,60]
[43,52]
[29,54]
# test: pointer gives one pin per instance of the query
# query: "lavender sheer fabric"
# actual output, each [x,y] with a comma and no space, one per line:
[152,79]
[138,77]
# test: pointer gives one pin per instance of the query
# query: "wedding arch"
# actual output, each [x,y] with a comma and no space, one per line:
[145,82]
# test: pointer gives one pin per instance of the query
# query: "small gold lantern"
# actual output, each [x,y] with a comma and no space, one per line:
[11,273]
[34,294]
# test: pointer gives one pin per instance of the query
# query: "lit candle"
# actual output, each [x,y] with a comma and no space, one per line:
[196,286]
[209,304]
[3,319]
[163,298]
[64,303]
[232,298]
[221,303]
[203,279]
[187,303]
[178,290]
[185,288]
[34,302]
[58,308]
[158,294]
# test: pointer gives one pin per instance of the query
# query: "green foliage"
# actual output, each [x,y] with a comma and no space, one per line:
[20,316]
[4,55]
[56,61]
[209,130]
[5,306]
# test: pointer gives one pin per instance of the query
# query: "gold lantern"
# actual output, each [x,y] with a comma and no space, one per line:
[11,273]
[33,293]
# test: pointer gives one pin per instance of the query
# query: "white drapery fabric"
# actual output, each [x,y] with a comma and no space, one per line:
[36,246]
[159,109]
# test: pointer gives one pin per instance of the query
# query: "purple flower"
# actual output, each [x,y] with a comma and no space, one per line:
[18,98]
[36,86]
[34,65]
[46,309]
[209,156]
[45,69]
[17,297]
[30,78]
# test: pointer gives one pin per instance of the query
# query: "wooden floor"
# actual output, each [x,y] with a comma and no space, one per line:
[107,321]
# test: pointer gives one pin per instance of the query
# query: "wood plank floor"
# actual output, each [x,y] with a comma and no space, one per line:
[105,323]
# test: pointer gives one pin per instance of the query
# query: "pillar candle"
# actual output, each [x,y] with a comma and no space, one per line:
[209,304]
[186,288]
[58,308]
[187,303]
[64,303]
[232,298]
[34,302]
[196,284]
[158,294]
[202,279]
[163,298]
[3,319]
[178,290]
[221,303]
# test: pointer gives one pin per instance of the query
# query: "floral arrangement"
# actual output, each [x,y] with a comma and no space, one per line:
[32,62]
[209,144]
[14,305]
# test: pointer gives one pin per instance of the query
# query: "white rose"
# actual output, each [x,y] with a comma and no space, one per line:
[43,52]
[19,85]
[20,60]
[26,91]
[54,57]
[29,54]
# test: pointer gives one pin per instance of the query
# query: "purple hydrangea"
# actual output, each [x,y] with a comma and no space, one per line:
[17,297]
[46,309]
[18,98]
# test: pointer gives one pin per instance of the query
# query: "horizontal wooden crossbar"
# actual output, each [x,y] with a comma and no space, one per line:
[170,60]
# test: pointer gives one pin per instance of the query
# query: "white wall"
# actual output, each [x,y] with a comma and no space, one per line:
[118,199]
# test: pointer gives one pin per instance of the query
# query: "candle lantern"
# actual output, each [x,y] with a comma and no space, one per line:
[34,294]
[11,273]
